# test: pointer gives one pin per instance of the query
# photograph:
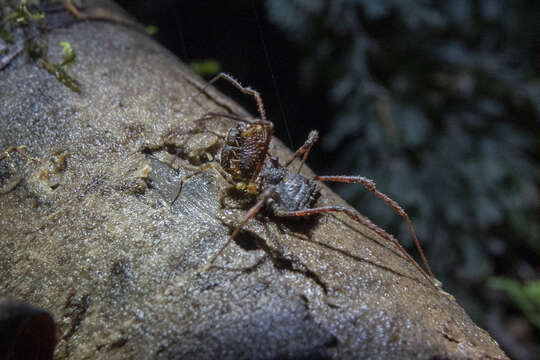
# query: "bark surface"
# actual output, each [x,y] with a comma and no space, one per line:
[89,235]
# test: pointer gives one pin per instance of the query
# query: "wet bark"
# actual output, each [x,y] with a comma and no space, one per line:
[88,232]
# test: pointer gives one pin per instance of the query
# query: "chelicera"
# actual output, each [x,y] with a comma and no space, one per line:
[246,164]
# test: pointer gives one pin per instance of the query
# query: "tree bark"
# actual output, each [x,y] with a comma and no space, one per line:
[88,232]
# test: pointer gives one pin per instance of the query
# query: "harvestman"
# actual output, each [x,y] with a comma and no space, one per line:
[247,165]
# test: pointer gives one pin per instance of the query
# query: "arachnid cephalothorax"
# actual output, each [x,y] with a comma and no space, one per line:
[247,165]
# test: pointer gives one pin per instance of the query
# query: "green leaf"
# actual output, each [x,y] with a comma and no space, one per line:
[206,67]
[151,30]
[69,55]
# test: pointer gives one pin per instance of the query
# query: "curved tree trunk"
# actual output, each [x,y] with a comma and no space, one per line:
[88,232]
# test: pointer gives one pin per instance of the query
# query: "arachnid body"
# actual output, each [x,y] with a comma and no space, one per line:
[246,164]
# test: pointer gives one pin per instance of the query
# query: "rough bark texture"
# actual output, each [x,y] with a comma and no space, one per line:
[88,232]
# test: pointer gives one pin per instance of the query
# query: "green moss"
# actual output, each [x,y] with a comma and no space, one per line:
[69,54]
[20,15]
[60,70]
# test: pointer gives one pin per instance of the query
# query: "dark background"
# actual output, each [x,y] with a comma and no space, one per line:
[437,101]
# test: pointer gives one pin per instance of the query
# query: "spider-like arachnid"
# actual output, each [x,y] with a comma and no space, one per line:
[247,165]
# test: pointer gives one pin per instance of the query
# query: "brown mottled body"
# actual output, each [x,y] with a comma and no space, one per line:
[244,151]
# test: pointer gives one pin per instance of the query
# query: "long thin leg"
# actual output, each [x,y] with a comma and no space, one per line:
[355,215]
[200,124]
[250,214]
[246,90]
[205,167]
[304,149]
[213,115]
[370,185]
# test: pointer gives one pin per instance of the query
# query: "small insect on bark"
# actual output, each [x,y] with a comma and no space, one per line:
[246,164]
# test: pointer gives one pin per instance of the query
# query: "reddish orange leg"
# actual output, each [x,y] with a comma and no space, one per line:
[250,215]
[200,124]
[304,149]
[246,90]
[370,185]
[355,215]
[211,116]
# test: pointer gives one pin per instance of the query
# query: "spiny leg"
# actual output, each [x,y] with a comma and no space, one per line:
[213,115]
[304,149]
[370,185]
[250,214]
[246,90]
[200,124]
[355,215]
[205,167]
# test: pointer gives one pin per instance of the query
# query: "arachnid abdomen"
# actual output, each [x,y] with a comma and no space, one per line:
[292,192]
[244,151]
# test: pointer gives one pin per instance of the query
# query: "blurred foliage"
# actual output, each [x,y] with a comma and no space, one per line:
[526,297]
[205,67]
[151,30]
[21,15]
[439,103]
